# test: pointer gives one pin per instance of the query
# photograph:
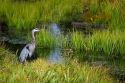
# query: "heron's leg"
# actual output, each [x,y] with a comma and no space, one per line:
[25,60]
[30,54]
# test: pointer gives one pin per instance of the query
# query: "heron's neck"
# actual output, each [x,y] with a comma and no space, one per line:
[33,37]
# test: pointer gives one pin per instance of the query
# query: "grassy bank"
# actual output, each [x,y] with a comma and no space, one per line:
[107,42]
[46,39]
[41,71]
[109,12]
[27,14]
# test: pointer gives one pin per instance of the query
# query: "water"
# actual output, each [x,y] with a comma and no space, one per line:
[55,29]
[57,55]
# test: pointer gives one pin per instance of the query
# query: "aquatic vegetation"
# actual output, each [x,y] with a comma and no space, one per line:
[117,15]
[19,16]
[109,42]
[42,71]
[109,12]
[45,39]
[77,40]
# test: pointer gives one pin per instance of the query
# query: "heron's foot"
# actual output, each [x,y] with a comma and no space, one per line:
[23,62]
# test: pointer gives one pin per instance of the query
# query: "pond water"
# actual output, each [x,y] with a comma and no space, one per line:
[59,56]
[55,56]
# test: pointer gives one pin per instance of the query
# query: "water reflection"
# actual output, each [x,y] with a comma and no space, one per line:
[55,29]
[55,56]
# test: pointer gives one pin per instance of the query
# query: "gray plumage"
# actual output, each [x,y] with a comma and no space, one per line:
[29,49]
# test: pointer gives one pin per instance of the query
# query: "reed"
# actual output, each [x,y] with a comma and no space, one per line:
[25,15]
[45,39]
[42,71]
[108,42]
[77,40]
[18,15]
[114,9]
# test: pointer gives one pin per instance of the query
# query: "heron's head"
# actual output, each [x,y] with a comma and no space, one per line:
[36,30]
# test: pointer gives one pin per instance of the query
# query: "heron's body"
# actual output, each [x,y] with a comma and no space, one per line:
[28,50]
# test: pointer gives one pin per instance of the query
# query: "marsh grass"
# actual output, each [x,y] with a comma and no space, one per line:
[19,15]
[77,40]
[107,42]
[45,39]
[111,43]
[41,71]
[109,12]
[115,10]
[26,15]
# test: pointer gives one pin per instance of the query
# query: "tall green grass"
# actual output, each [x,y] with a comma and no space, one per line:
[116,11]
[25,15]
[77,40]
[41,71]
[45,39]
[20,15]
[108,42]
[109,12]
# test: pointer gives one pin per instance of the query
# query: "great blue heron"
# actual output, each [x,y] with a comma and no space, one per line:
[29,49]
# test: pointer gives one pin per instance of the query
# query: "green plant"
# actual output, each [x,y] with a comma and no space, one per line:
[42,71]
[77,40]
[107,42]
[45,39]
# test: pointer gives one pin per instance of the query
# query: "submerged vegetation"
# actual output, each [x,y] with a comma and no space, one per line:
[41,71]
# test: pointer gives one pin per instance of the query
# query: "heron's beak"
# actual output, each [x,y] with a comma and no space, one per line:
[38,30]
